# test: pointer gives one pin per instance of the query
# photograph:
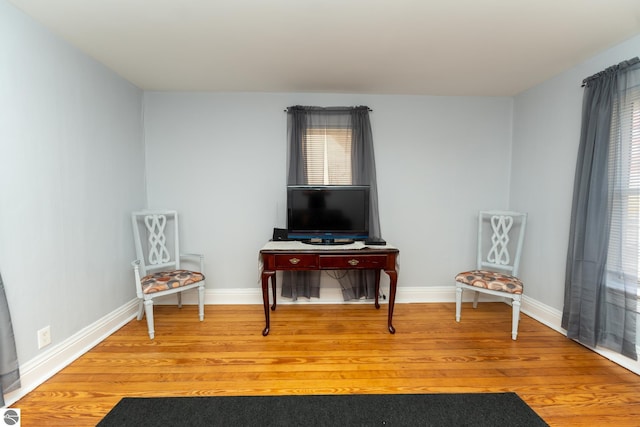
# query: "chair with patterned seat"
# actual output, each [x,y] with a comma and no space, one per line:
[499,246]
[157,268]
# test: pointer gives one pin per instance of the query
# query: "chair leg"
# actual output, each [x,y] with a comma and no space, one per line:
[458,302]
[140,310]
[201,302]
[148,310]
[179,294]
[476,295]
[515,318]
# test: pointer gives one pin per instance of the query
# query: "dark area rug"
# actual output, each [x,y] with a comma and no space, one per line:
[473,409]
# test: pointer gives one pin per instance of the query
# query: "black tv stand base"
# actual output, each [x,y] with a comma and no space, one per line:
[328,241]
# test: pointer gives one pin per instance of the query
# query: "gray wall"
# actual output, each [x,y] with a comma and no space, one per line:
[438,159]
[71,169]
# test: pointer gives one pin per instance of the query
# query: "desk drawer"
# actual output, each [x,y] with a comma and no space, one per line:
[353,261]
[296,261]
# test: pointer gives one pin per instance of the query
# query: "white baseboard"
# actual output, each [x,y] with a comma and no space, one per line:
[34,372]
[329,294]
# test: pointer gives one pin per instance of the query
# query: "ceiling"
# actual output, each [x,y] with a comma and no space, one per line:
[422,47]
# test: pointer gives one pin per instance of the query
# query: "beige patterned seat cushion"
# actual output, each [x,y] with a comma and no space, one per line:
[165,280]
[491,280]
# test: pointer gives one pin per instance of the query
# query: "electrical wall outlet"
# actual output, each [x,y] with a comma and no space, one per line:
[44,337]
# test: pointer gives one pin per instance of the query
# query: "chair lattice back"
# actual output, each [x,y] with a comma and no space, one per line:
[157,253]
[159,232]
[500,239]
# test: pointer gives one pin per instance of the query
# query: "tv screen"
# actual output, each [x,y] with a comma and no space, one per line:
[328,213]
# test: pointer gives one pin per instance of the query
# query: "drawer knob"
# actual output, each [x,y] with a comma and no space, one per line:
[353,262]
[294,261]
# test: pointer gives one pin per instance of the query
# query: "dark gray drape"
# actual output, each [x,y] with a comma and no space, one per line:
[595,311]
[358,283]
[9,372]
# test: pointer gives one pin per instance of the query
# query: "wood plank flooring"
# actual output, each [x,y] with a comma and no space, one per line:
[340,349]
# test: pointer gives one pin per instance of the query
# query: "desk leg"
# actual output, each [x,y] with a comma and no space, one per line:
[265,298]
[393,276]
[273,290]
[377,288]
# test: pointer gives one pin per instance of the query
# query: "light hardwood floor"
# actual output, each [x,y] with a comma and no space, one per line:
[340,349]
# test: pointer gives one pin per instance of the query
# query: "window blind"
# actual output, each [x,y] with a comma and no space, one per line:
[328,156]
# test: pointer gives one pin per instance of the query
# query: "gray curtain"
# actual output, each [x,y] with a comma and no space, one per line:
[9,372]
[355,284]
[600,303]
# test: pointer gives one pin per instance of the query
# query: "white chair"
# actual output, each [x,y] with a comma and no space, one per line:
[157,268]
[500,239]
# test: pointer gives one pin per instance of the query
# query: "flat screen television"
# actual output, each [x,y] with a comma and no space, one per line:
[328,214]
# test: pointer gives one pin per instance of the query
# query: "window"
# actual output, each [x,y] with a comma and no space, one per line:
[623,257]
[328,156]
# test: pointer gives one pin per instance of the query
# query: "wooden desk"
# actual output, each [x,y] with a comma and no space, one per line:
[298,256]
